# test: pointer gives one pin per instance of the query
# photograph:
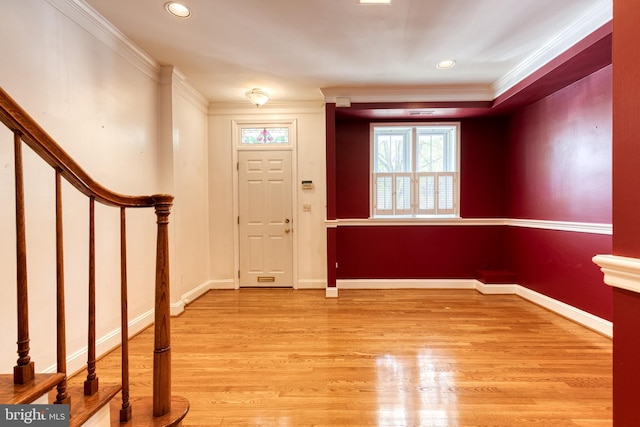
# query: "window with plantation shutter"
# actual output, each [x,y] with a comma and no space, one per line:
[415,170]
[384,194]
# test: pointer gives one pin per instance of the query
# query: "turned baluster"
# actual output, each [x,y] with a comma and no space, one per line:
[91,383]
[23,372]
[61,352]
[125,410]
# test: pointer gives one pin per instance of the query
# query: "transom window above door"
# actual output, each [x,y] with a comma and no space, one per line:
[264,135]
[415,170]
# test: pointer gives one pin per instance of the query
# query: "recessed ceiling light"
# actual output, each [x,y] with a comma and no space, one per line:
[177,9]
[374,1]
[446,64]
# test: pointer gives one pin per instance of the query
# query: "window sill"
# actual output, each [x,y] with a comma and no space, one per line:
[412,221]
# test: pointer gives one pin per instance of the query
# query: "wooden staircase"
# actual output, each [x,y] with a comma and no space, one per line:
[27,386]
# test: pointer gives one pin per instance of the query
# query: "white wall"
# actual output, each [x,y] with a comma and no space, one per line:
[310,229]
[100,98]
[184,122]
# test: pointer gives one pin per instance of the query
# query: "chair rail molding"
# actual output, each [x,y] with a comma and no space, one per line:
[619,271]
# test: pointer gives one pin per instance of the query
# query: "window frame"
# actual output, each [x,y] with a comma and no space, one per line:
[448,176]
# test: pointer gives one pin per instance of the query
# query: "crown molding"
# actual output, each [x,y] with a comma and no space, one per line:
[271,107]
[171,75]
[600,14]
[95,24]
[440,93]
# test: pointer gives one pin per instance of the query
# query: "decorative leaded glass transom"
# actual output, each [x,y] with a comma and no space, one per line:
[265,135]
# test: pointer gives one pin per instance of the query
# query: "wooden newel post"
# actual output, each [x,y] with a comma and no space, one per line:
[162,345]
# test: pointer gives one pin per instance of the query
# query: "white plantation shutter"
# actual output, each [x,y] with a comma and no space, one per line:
[426,193]
[383,196]
[446,196]
[403,194]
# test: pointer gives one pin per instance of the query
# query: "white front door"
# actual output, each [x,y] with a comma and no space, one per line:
[265,218]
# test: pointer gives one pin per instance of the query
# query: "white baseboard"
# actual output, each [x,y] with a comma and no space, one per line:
[493,289]
[581,317]
[176,308]
[406,284]
[78,360]
[222,284]
[331,292]
[197,292]
[312,284]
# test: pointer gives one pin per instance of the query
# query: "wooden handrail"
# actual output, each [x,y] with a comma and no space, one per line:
[17,120]
[27,131]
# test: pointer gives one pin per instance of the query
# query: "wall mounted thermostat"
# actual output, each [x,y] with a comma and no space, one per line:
[307,185]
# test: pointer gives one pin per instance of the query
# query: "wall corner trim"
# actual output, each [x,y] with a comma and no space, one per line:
[619,271]
[176,308]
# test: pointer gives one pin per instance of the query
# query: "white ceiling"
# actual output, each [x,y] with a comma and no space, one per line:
[295,48]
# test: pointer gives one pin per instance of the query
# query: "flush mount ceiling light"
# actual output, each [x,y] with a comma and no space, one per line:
[446,64]
[178,10]
[374,1]
[257,96]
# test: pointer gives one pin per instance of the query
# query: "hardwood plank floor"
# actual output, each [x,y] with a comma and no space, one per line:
[279,357]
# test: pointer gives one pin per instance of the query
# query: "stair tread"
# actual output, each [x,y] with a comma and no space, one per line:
[83,407]
[142,413]
[41,384]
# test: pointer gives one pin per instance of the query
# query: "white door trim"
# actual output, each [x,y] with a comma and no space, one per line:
[237,146]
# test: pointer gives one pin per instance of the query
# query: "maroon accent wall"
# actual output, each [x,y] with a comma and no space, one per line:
[352,169]
[626,206]
[559,169]
[413,252]
[417,252]
[332,234]
[483,145]
[558,264]
[483,167]
[330,130]
[559,163]
[626,111]
[626,354]
[580,60]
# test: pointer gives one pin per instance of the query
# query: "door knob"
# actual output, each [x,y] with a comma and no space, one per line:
[287,230]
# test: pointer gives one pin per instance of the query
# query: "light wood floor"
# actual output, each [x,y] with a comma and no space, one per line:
[277,357]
